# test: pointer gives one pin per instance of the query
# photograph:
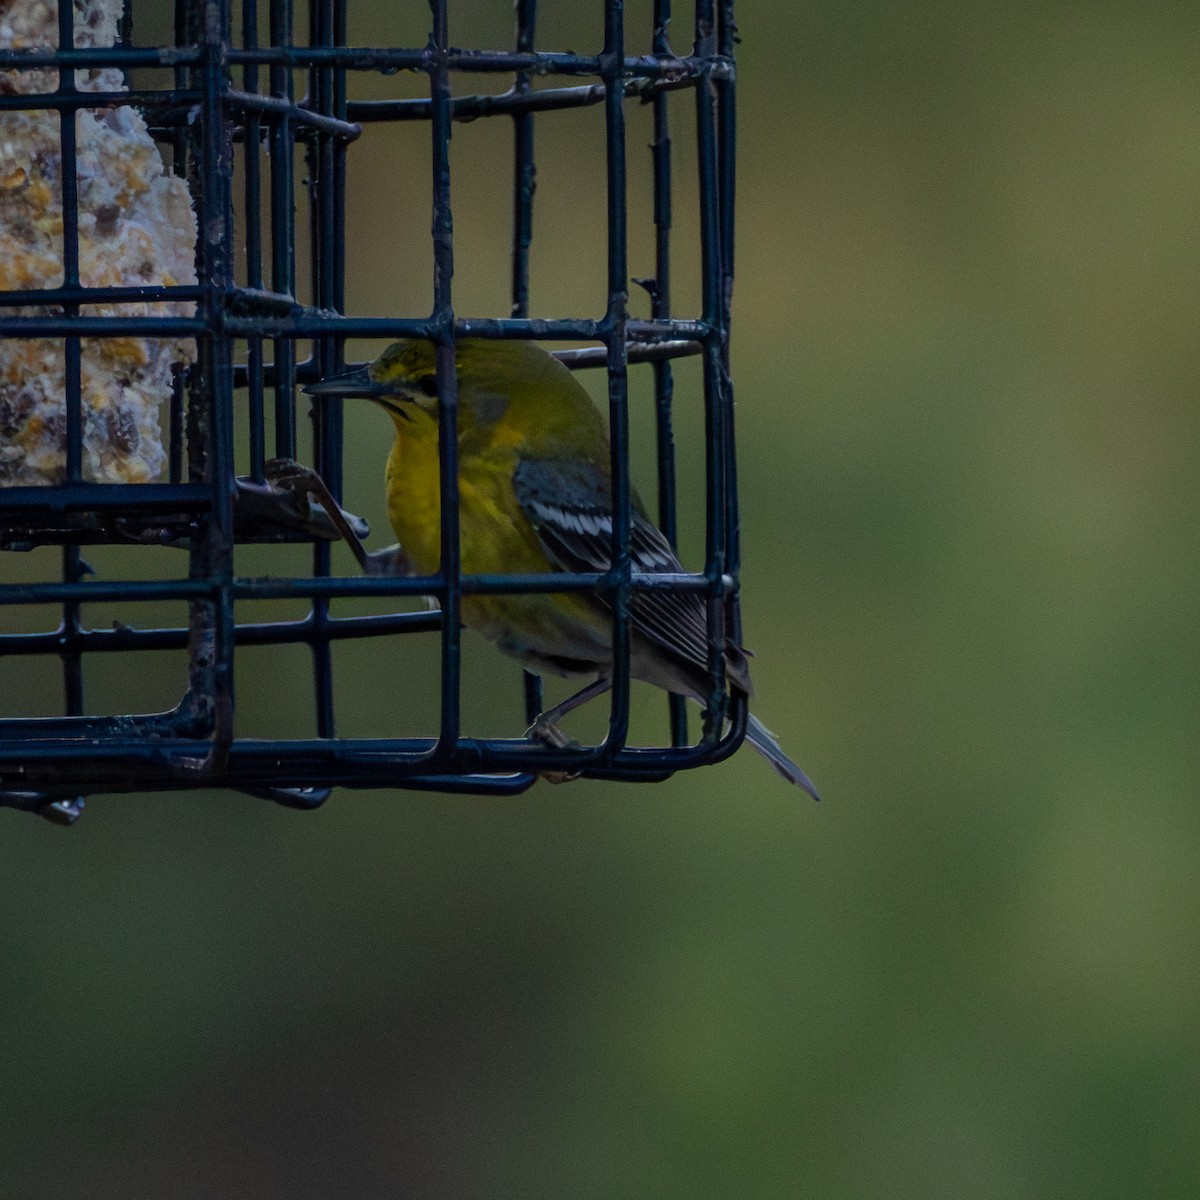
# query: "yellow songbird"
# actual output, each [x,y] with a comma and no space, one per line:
[535,496]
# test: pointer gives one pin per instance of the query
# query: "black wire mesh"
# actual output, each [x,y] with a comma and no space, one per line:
[239,114]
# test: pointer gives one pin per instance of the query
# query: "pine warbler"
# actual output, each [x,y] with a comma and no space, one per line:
[535,496]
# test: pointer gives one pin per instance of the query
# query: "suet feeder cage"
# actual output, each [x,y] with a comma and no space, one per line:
[173,220]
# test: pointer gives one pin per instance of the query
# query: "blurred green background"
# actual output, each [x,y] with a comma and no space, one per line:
[965,345]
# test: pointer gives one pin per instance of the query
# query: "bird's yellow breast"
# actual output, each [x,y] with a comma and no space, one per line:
[489,513]
[495,537]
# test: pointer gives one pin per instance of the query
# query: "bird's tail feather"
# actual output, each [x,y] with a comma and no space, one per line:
[763,740]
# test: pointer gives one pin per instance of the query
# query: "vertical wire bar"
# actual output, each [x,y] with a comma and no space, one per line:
[324,161]
[726,168]
[256,415]
[187,152]
[334,204]
[69,180]
[177,407]
[714,371]
[283,226]
[179,144]
[252,193]
[727,124]
[612,70]
[338,180]
[443,316]
[175,426]
[206,629]
[660,300]
[215,170]
[326,422]
[73,570]
[524,170]
[524,184]
[69,653]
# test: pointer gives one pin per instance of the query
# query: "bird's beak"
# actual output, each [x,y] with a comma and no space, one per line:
[353,384]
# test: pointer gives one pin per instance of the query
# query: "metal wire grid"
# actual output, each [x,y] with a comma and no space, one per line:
[46,763]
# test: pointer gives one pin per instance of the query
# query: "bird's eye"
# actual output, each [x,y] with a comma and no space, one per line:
[427,385]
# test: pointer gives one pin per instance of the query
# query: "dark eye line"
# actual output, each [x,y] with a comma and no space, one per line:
[427,385]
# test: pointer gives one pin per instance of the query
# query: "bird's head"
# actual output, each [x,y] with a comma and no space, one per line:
[402,380]
[502,385]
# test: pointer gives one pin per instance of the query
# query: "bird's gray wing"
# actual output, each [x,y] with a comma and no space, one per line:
[569,505]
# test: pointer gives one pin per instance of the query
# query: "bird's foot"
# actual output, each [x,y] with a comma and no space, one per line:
[287,477]
[390,561]
[551,735]
[292,498]
[290,474]
[308,492]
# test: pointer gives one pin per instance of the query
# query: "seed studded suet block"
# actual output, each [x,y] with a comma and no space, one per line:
[136,228]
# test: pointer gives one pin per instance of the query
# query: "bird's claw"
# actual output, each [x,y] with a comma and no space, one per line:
[560,776]
[551,735]
[291,498]
[290,474]
[292,478]
[310,493]
[390,561]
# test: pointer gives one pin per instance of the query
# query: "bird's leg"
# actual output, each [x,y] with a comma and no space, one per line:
[545,729]
[289,475]
[281,503]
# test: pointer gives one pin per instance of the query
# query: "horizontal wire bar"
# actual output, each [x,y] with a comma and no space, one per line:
[276,315]
[87,530]
[96,591]
[470,108]
[309,323]
[140,764]
[319,323]
[41,326]
[114,498]
[159,105]
[179,722]
[161,293]
[638,352]
[398,58]
[154,102]
[281,588]
[102,56]
[537,62]
[293,796]
[589,357]
[363,58]
[576,360]
[251,301]
[263,633]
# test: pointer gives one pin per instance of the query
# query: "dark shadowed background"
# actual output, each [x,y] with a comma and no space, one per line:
[965,348]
